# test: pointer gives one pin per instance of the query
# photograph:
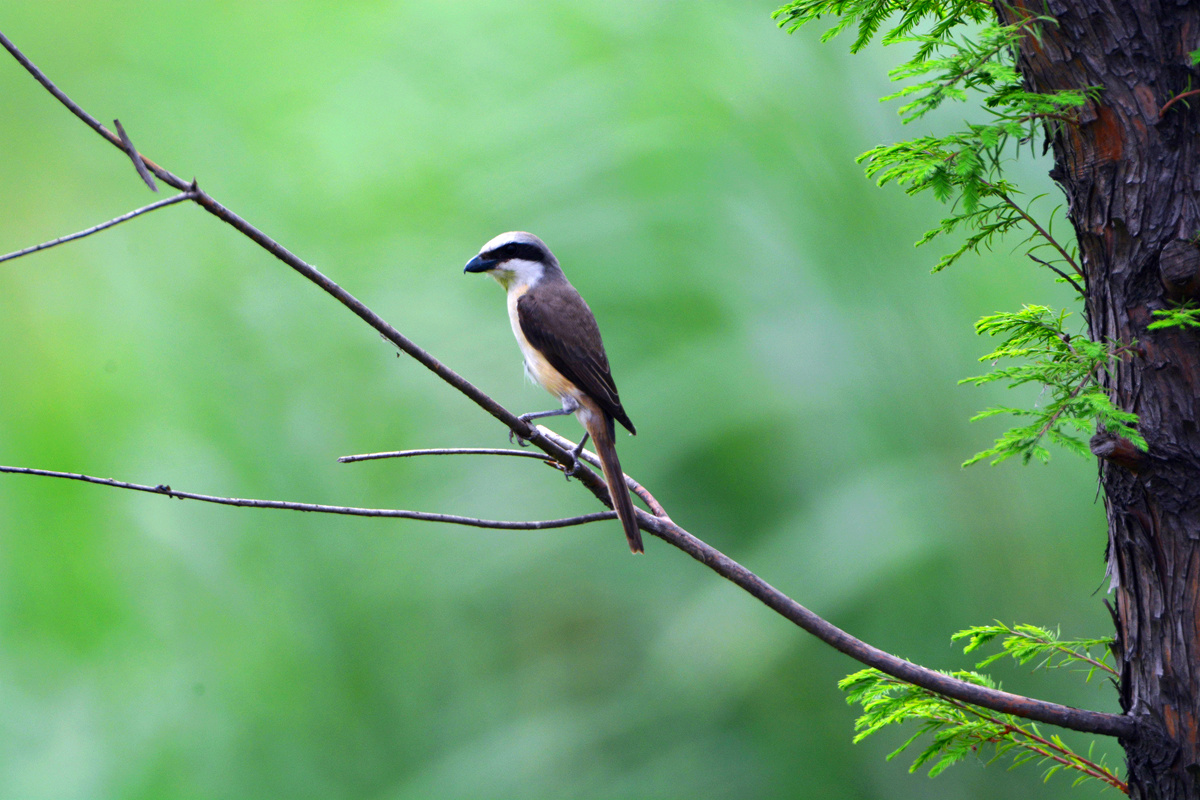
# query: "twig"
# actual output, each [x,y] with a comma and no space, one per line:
[1085,656]
[74,108]
[642,492]
[1049,749]
[1054,417]
[97,228]
[427,516]
[1162,112]
[587,455]
[443,451]
[1061,274]
[984,57]
[1047,115]
[134,156]
[1051,713]
[591,458]
[1044,233]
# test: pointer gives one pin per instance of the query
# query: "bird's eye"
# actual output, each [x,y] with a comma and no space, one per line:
[501,253]
[514,250]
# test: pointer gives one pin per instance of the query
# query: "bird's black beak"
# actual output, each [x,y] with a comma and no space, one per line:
[480,264]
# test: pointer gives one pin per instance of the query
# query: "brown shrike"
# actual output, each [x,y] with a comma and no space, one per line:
[563,353]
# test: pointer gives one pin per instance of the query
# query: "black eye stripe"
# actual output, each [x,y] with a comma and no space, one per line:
[522,250]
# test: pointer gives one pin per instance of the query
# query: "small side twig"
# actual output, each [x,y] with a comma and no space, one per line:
[352,511]
[102,226]
[588,456]
[1089,378]
[1061,274]
[445,451]
[1162,112]
[1045,234]
[135,156]
[1049,748]
[591,458]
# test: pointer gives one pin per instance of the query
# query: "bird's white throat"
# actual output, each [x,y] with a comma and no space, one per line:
[519,275]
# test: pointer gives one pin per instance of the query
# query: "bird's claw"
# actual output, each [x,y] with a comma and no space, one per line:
[522,442]
[574,468]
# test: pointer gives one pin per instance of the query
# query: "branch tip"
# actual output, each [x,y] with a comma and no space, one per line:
[1060,273]
[97,228]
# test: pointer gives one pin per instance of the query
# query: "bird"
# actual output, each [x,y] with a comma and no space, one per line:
[563,353]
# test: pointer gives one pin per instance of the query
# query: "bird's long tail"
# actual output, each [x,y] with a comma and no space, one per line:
[600,427]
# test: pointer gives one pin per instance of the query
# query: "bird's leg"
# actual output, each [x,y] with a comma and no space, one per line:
[558,412]
[569,406]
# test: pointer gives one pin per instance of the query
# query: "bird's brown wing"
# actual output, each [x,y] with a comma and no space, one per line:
[557,321]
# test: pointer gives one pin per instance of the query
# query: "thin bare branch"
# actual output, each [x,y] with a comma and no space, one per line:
[443,451]
[1045,234]
[1162,112]
[587,455]
[642,492]
[1049,749]
[1051,713]
[1081,655]
[1060,273]
[591,458]
[393,513]
[97,228]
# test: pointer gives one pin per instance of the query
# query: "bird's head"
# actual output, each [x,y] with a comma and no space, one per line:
[512,258]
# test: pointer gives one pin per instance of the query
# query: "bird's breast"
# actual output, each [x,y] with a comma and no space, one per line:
[536,364]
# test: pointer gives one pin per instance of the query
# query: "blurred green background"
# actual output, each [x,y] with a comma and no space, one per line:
[788,360]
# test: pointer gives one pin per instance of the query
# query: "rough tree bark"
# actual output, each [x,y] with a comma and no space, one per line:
[1132,181]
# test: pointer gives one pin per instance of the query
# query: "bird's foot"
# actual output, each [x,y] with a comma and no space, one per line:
[568,472]
[575,460]
[522,442]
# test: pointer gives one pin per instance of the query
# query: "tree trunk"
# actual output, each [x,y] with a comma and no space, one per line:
[1132,181]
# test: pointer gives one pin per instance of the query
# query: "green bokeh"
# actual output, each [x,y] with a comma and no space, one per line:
[787,358]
